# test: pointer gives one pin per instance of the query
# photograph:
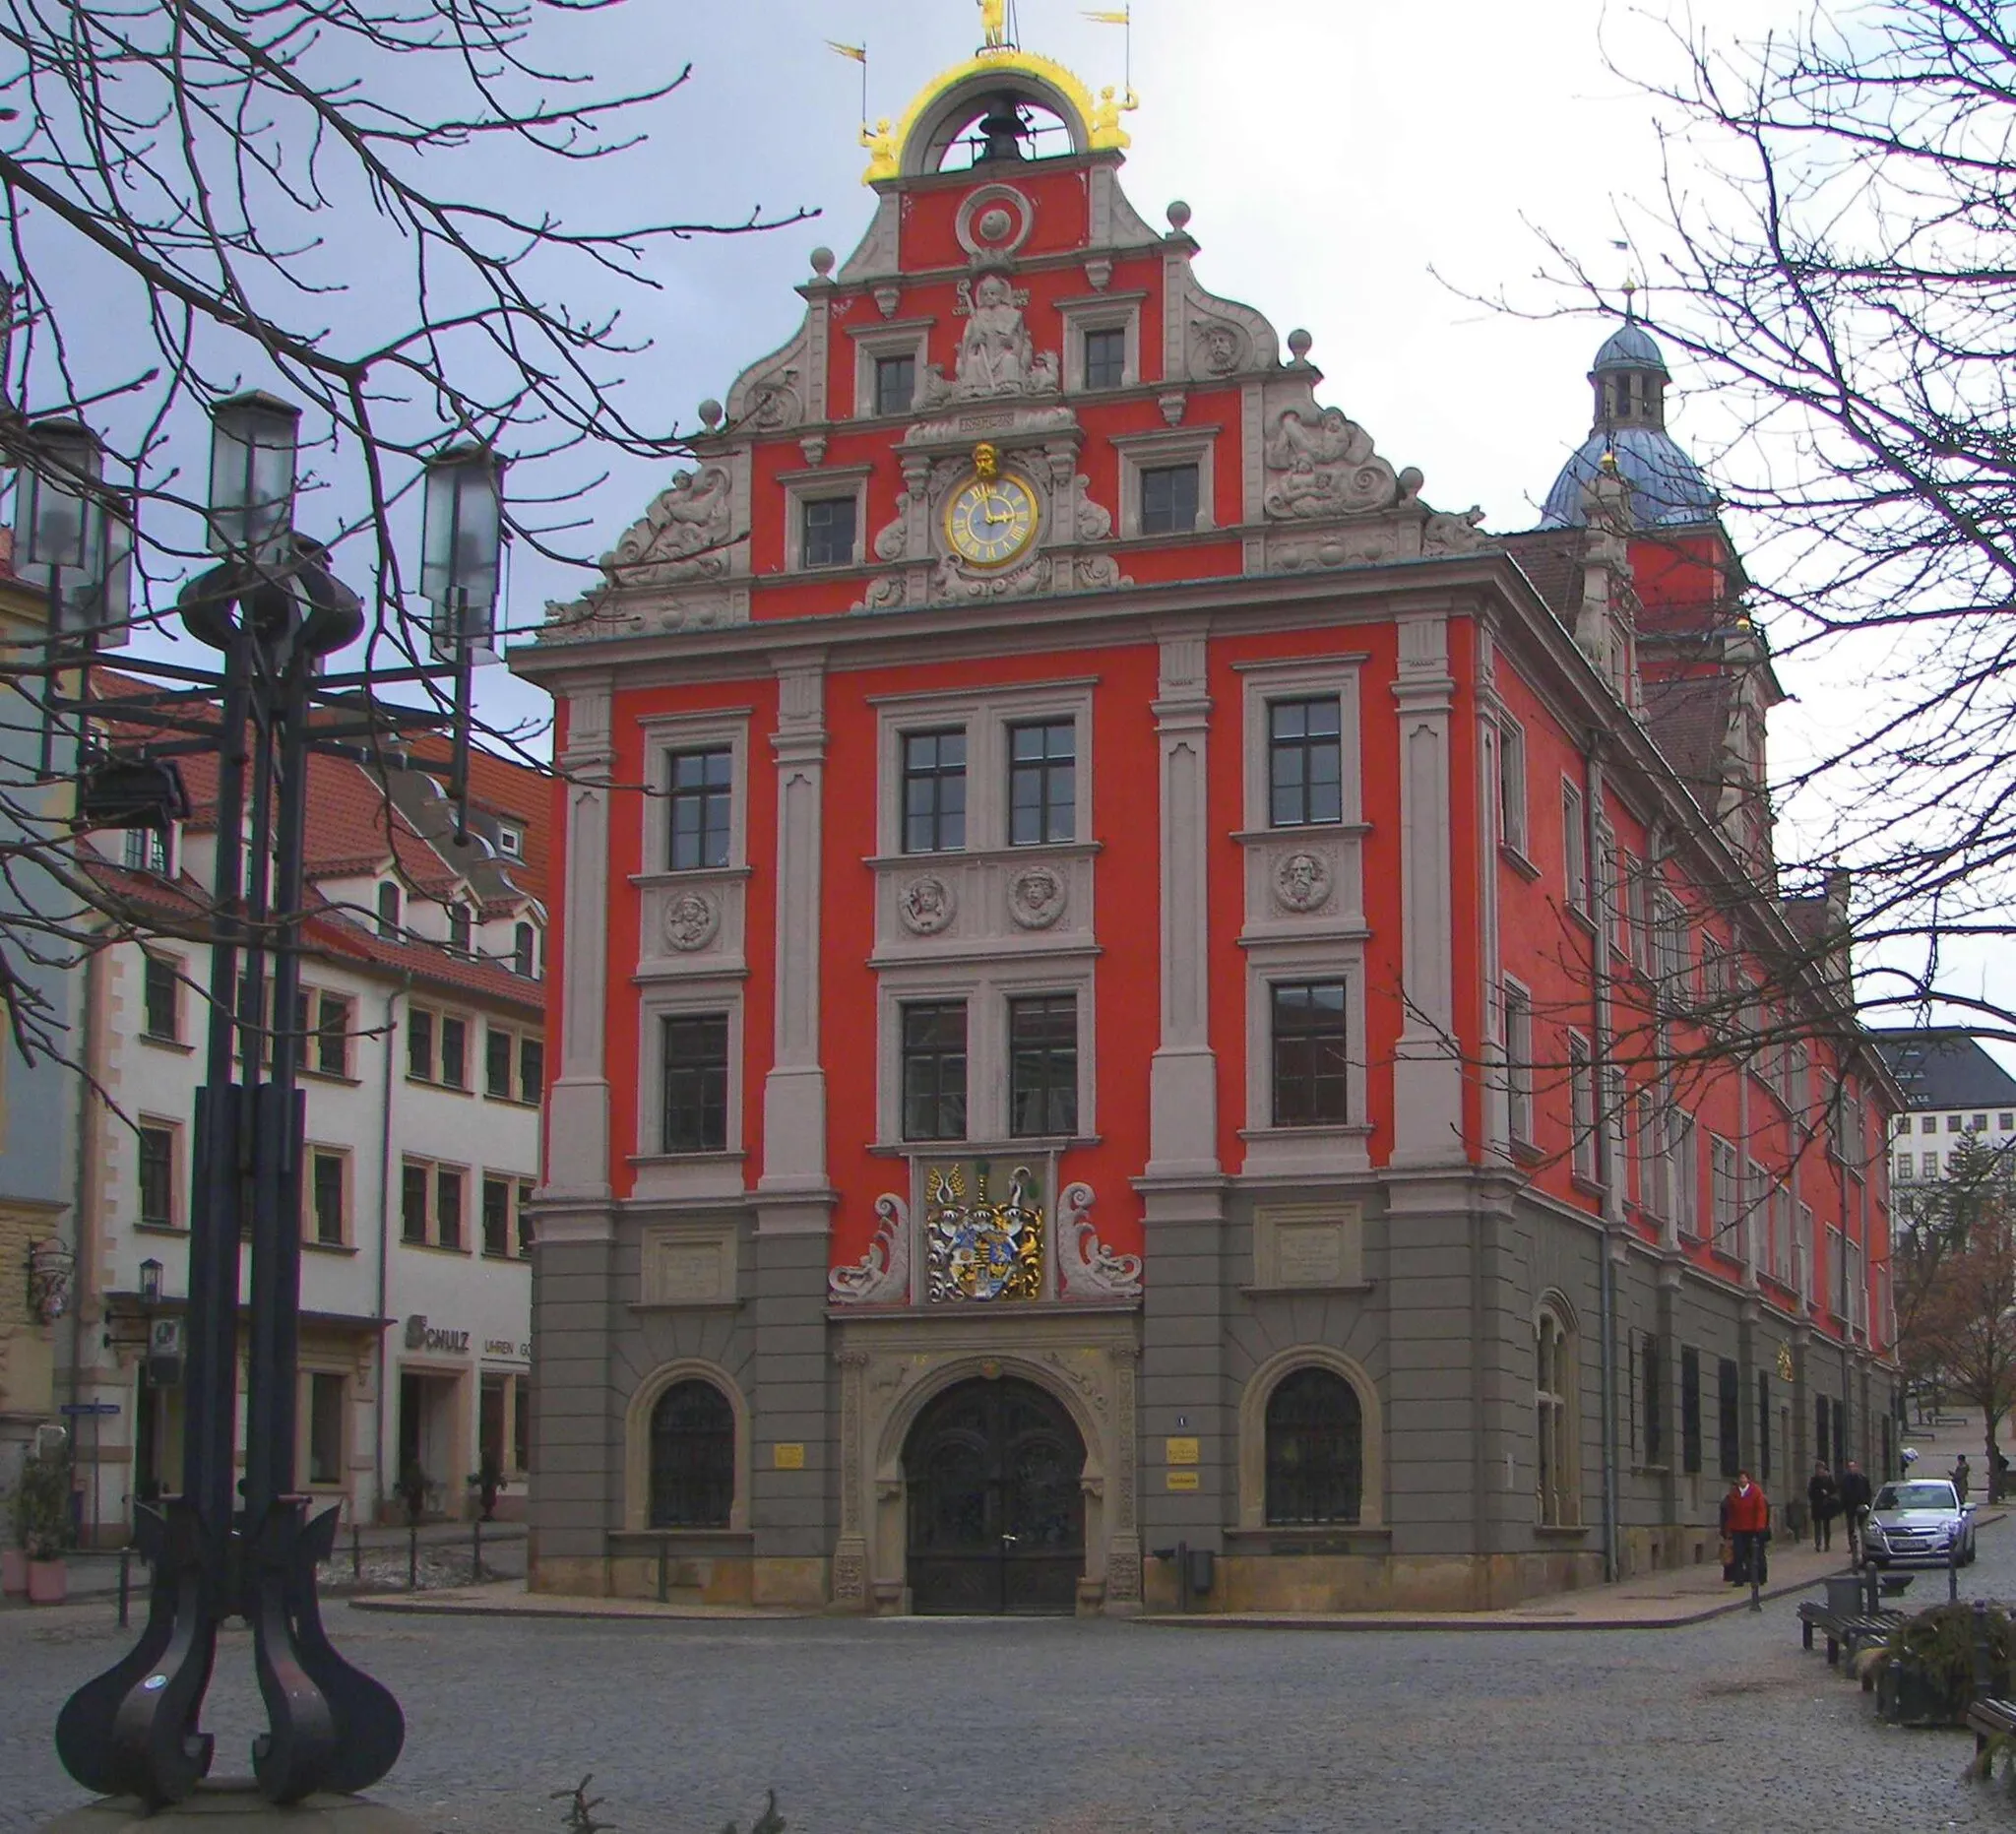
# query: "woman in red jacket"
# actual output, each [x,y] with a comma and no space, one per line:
[1750,1523]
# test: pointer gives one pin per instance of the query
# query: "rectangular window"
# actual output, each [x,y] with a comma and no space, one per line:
[1581,1107]
[696,1083]
[1042,783]
[896,384]
[700,787]
[1105,360]
[1306,762]
[328,1175]
[532,1068]
[1686,1175]
[156,1176]
[1952,1123]
[520,1423]
[147,851]
[1309,1053]
[1512,785]
[1519,1061]
[934,792]
[164,999]
[419,1045]
[496,1216]
[1929,1123]
[1574,848]
[447,1208]
[333,1035]
[1724,1199]
[498,1048]
[490,1411]
[523,1221]
[1729,1416]
[454,1052]
[1803,1254]
[1042,1065]
[934,1070]
[412,1203]
[1756,1217]
[1169,499]
[1690,1409]
[1652,1397]
[324,1429]
[1930,1165]
[2005,1123]
[828,532]
[1907,1167]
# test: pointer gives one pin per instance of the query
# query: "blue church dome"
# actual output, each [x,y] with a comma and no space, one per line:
[1667,488]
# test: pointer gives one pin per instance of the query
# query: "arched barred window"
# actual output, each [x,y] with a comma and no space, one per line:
[1315,1449]
[1557,1482]
[692,1457]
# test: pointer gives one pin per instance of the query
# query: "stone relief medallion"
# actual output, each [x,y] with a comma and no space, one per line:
[927,905]
[995,220]
[1301,881]
[1036,896]
[691,920]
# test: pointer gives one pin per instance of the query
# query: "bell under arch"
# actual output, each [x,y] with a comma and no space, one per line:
[993,82]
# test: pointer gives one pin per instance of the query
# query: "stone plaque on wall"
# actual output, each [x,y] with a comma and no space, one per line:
[688,1267]
[1309,1246]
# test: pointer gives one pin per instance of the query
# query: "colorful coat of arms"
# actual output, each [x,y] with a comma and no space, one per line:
[978,1246]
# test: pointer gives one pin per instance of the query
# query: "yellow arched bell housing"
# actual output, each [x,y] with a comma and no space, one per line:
[1096,125]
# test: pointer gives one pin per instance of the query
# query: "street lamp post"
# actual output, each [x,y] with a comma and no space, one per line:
[222,1548]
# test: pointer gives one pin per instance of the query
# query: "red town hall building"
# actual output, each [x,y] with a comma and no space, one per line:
[1127,984]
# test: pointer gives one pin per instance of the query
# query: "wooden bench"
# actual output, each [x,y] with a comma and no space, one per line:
[1990,1720]
[1845,1631]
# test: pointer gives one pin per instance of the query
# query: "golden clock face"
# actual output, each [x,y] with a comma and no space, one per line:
[990,520]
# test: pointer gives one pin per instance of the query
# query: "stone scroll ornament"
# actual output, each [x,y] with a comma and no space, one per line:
[1319,463]
[1087,1269]
[882,1275]
[683,536]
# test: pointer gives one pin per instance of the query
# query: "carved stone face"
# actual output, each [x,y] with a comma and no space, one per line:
[992,290]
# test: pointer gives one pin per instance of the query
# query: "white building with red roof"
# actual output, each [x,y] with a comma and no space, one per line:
[423,1065]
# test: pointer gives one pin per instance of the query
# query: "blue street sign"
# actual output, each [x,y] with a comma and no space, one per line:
[89,1407]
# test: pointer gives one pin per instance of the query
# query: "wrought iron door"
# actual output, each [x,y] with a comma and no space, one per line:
[996,1511]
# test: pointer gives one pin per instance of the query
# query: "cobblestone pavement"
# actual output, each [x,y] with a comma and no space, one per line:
[918,1725]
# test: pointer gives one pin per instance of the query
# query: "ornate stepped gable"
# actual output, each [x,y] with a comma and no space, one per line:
[1029,253]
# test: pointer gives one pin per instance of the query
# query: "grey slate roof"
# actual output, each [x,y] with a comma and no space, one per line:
[1667,488]
[1944,1067]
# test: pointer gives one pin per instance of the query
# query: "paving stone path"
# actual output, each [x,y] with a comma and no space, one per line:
[916,1727]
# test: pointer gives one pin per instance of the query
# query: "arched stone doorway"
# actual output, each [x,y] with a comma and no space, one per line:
[992,1471]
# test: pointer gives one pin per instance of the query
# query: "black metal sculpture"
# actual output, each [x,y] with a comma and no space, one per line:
[225,1548]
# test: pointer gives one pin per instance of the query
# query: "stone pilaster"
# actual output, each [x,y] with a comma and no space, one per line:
[1428,1085]
[794,1090]
[577,1454]
[1183,1075]
[577,1101]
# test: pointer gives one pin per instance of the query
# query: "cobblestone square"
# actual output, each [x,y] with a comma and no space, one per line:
[1006,1727]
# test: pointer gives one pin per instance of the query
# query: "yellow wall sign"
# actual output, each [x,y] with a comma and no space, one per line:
[1179,1452]
[789,1457]
[1182,1479]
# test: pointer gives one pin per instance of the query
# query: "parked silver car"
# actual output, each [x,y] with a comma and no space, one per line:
[1921,1519]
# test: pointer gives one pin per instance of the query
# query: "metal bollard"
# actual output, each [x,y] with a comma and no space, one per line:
[663,1572]
[477,1558]
[1756,1552]
[413,1556]
[125,1582]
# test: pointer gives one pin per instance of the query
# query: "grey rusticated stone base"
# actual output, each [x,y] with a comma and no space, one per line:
[240,1808]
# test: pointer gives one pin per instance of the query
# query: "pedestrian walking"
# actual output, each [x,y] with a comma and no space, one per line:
[1823,1500]
[1962,1477]
[1855,1495]
[1749,1521]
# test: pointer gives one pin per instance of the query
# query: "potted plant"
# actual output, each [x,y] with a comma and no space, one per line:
[43,1503]
[487,1480]
[14,1557]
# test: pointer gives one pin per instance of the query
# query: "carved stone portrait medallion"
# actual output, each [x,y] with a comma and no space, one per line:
[690,921]
[927,905]
[1036,896]
[1301,881]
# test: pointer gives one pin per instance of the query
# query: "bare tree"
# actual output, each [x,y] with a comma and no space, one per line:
[1836,245]
[377,208]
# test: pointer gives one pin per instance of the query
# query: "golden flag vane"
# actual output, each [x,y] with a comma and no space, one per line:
[859,53]
[1124,18]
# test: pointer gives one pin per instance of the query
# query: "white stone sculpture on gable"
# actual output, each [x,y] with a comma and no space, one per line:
[997,358]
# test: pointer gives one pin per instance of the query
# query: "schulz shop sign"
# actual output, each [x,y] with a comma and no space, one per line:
[437,1338]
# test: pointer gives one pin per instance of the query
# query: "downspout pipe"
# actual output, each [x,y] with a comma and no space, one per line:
[392,1000]
[1607,1159]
